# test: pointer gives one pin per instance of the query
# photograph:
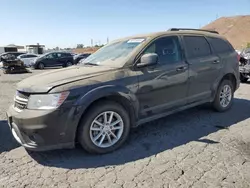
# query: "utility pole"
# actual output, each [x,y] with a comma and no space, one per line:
[91,42]
[107,40]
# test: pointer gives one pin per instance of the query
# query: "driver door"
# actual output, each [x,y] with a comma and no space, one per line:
[163,86]
[50,60]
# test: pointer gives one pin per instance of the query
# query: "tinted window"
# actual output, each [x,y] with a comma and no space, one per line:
[23,56]
[51,56]
[60,55]
[196,46]
[167,49]
[29,56]
[220,45]
[68,55]
[64,54]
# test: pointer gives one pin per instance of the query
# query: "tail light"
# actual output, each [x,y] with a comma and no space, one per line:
[238,57]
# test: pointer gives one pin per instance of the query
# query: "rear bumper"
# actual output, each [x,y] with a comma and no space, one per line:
[39,130]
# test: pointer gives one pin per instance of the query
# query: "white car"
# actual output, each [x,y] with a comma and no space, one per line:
[27,59]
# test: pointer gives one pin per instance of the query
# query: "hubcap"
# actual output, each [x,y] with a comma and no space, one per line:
[106,129]
[225,96]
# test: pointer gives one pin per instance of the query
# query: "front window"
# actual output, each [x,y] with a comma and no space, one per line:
[51,56]
[114,54]
[167,49]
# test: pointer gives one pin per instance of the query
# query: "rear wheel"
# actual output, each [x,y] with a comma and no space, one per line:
[68,64]
[224,96]
[243,78]
[104,128]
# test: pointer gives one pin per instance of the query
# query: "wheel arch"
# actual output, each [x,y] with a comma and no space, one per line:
[119,95]
[231,77]
[228,76]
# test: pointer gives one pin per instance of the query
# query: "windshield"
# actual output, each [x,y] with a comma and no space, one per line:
[114,54]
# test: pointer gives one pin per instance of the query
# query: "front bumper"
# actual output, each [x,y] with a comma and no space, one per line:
[41,130]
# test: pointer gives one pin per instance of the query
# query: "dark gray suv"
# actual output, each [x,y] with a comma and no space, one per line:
[124,84]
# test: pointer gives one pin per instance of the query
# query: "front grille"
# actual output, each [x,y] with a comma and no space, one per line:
[21,100]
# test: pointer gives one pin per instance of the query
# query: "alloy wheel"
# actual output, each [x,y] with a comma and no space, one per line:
[106,129]
[225,96]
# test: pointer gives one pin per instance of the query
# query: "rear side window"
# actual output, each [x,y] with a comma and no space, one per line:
[196,46]
[66,55]
[219,45]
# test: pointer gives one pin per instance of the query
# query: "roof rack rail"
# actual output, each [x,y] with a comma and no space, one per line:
[190,29]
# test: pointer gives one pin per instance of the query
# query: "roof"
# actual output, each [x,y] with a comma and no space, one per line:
[167,32]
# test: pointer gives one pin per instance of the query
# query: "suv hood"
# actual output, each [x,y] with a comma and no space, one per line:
[42,83]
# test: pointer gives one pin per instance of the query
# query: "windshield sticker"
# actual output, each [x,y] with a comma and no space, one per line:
[136,40]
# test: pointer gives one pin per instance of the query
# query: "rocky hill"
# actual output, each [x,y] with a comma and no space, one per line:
[236,29]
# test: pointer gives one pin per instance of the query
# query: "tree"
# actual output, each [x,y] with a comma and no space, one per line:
[248,45]
[79,46]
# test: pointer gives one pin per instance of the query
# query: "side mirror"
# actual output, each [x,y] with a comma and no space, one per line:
[148,59]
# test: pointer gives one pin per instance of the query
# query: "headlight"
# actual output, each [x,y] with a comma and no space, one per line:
[47,101]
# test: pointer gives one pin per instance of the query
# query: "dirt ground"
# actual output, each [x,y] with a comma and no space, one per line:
[195,148]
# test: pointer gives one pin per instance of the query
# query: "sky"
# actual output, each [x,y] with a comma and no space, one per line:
[66,23]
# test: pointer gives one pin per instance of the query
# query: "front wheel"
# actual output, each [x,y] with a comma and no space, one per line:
[41,66]
[68,64]
[104,128]
[224,96]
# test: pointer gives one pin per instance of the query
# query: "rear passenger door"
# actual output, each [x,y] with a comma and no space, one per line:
[204,68]
[60,59]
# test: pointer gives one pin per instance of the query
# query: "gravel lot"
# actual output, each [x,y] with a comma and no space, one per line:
[195,148]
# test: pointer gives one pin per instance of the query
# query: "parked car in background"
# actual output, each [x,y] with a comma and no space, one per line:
[79,57]
[126,83]
[27,58]
[245,65]
[11,55]
[53,59]
[246,53]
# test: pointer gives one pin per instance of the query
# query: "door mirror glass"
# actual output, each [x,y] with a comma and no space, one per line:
[148,60]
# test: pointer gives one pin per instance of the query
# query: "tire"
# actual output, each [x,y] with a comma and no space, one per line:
[217,103]
[68,64]
[243,79]
[41,66]
[86,137]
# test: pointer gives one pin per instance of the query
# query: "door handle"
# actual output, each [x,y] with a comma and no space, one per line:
[181,68]
[216,61]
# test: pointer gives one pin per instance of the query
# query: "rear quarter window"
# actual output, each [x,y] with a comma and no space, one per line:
[220,45]
[196,46]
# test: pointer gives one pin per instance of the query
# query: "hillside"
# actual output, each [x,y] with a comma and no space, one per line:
[236,29]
